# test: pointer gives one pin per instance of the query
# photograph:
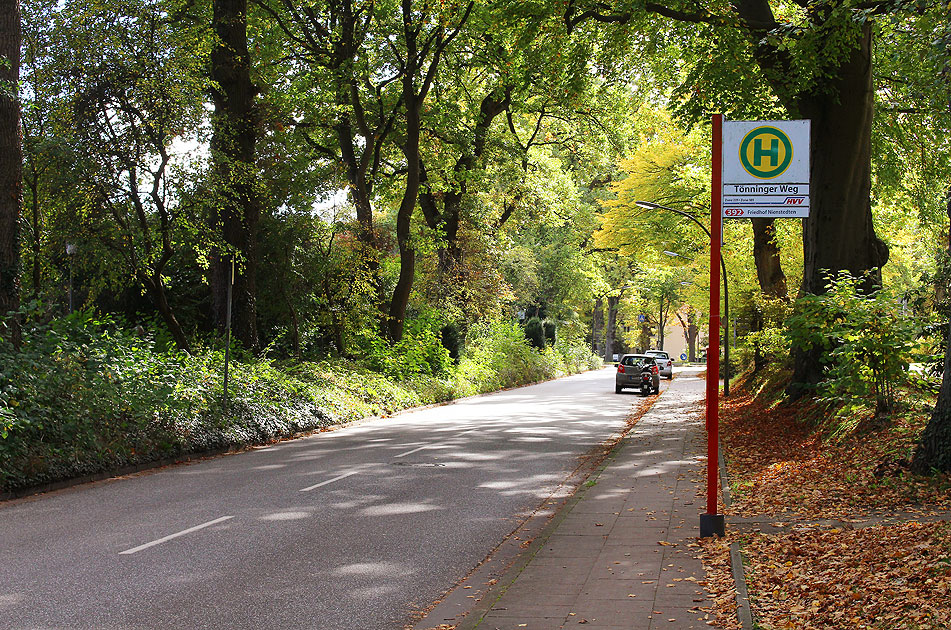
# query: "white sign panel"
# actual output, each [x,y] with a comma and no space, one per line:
[766,168]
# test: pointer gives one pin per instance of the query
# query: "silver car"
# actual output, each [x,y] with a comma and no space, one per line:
[663,362]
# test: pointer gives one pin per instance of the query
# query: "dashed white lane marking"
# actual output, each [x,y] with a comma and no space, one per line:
[415,450]
[329,481]
[173,536]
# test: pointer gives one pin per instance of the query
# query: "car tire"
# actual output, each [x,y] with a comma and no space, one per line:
[617,389]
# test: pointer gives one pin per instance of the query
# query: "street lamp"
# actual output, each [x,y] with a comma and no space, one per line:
[676,255]
[649,205]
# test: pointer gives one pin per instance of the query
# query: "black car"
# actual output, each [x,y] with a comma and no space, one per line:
[629,373]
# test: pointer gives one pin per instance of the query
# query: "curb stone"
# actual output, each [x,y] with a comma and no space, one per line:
[744,613]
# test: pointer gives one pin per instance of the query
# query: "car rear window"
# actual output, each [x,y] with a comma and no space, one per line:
[636,361]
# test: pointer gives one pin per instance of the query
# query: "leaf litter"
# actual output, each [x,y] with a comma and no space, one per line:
[861,543]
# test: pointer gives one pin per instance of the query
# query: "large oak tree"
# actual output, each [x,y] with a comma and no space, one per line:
[236,209]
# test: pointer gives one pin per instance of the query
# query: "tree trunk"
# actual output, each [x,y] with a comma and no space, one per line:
[418,47]
[839,235]
[597,321]
[934,448]
[609,327]
[645,338]
[692,333]
[769,270]
[160,298]
[11,165]
[237,208]
[37,242]
[360,188]
[404,285]
[470,152]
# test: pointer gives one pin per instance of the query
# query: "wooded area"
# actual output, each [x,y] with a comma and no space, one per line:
[386,183]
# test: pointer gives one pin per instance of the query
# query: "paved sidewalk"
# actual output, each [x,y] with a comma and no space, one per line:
[620,558]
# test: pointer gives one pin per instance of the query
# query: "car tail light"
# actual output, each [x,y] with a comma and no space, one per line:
[620,369]
[655,369]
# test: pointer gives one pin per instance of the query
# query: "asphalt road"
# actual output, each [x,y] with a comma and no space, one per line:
[348,530]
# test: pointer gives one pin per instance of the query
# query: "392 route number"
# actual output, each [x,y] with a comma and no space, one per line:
[733,212]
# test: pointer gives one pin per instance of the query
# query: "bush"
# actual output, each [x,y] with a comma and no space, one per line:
[767,342]
[420,352]
[865,341]
[535,333]
[577,357]
[497,355]
[81,396]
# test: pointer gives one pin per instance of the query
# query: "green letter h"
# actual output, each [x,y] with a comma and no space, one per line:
[772,152]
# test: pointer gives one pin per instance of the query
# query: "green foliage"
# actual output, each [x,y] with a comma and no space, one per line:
[865,342]
[498,355]
[419,353]
[668,167]
[535,333]
[767,341]
[772,343]
[82,395]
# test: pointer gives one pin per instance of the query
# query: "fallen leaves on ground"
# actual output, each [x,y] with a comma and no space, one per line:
[782,466]
[719,583]
[895,575]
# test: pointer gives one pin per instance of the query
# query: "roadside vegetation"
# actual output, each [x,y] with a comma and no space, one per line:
[836,526]
[84,396]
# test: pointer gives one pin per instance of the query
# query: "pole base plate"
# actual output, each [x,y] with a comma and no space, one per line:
[712,525]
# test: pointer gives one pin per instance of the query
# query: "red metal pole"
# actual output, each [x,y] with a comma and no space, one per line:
[713,353]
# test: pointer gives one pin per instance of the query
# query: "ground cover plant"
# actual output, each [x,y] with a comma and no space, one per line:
[83,395]
[834,529]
